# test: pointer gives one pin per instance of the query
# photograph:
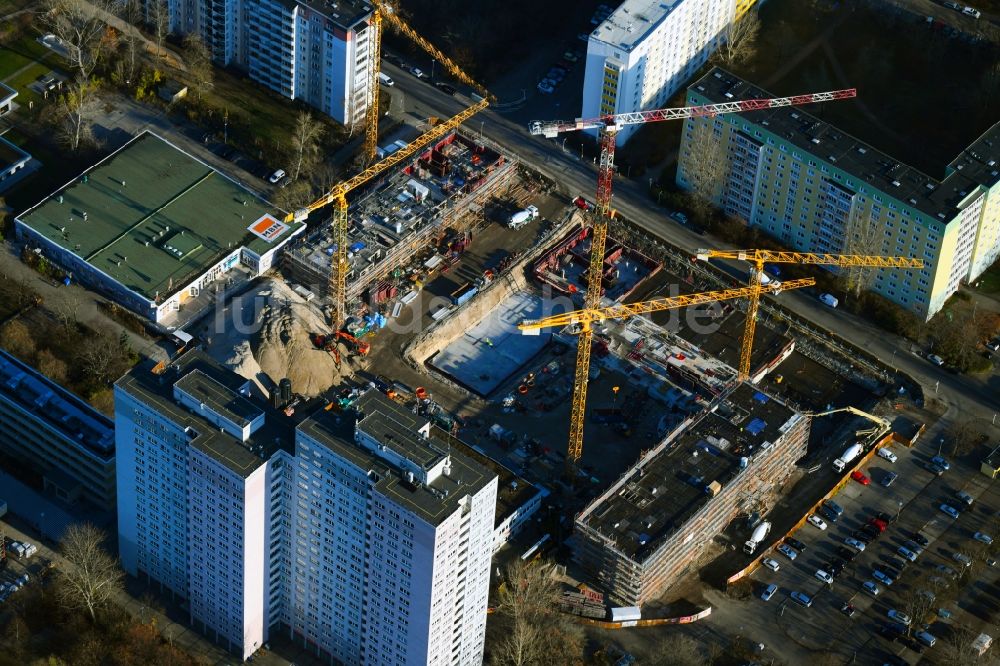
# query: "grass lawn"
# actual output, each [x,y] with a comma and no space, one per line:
[989,282]
[21,82]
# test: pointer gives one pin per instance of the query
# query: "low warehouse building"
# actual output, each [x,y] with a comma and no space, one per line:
[154,228]
[651,526]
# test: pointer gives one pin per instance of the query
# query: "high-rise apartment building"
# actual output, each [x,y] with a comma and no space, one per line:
[317,51]
[647,49]
[815,188]
[359,532]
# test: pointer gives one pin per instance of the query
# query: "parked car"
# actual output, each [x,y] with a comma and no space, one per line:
[907,554]
[769,592]
[993,345]
[935,359]
[569,56]
[984,538]
[878,524]
[950,510]
[921,539]
[834,567]
[863,537]
[546,86]
[860,478]
[888,479]
[935,469]
[803,599]
[445,88]
[855,544]
[941,462]
[887,454]
[816,521]
[947,571]
[848,609]
[870,530]
[900,617]
[914,546]
[771,564]
[419,73]
[892,630]
[882,577]
[824,576]
[925,638]
[277,175]
[896,563]
[886,518]
[846,554]
[829,300]
[796,544]
[871,588]
[966,498]
[971,11]
[962,559]
[788,551]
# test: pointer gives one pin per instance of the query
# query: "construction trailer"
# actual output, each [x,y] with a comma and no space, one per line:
[395,227]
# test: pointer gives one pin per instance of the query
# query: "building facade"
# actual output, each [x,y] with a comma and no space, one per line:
[359,532]
[54,434]
[317,51]
[650,527]
[817,189]
[647,49]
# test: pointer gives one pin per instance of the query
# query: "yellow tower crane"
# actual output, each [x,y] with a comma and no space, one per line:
[760,257]
[337,195]
[587,317]
[385,13]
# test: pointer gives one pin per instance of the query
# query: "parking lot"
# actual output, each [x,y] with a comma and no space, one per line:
[912,504]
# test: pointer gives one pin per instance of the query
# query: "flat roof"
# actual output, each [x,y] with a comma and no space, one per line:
[154,217]
[976,165]
[11,154]
[658,498]
[62,411]
[632,21]
[344,13]
[433,502]
[221,399]
[6,92]
[397,429]
[197,368]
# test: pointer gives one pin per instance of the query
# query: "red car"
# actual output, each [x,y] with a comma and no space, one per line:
[860,478]
[880,525]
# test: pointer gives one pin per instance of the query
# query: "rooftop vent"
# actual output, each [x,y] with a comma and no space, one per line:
[862,150]
[895,183]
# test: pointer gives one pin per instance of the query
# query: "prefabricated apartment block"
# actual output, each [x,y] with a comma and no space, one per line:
[815,188]
[651,526]
[403,213]
[152,227]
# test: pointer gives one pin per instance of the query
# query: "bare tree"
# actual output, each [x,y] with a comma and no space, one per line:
[957,644]
[158,17]
[530,631]
[52,367]
[739,40]
[704,166]
[199,64]
[102,358]
[80,25]
[131,14]
[917,603]
[305,141]
[678,650]
[861,236]
[92,576]
[78,106]
[964,437]
[294,196]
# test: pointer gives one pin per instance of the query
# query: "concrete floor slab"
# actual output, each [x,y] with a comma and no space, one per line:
[493,349]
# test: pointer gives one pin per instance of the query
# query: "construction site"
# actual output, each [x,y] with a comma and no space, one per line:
[459,282]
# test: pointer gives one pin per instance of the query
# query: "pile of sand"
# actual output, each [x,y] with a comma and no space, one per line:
[281,344]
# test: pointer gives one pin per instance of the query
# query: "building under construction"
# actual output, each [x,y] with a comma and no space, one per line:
[652,525]
[404,215]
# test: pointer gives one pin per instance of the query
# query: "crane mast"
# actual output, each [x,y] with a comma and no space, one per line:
[608,127]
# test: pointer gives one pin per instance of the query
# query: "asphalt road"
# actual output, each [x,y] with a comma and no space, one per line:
[970,397]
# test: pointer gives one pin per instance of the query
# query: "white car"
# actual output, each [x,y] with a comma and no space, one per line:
[276,176]
[969,11]
[824,576]
[771,564]
[902,618]
[887,455]
[855,544]
[816,521]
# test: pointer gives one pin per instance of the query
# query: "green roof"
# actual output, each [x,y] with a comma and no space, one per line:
[156,217]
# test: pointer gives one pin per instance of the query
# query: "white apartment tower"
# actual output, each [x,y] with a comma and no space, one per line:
[647,49]
[317,51]
[357,532]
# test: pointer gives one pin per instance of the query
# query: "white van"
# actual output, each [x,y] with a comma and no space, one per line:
[386,80]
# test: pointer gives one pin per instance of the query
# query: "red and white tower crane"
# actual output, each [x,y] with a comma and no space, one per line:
[608,127]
